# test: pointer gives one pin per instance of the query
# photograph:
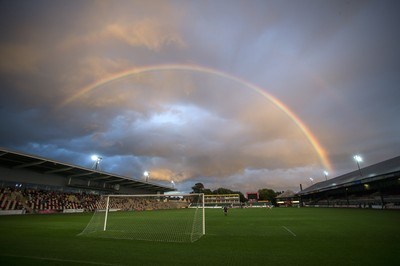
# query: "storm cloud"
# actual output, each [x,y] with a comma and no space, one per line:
[334,65]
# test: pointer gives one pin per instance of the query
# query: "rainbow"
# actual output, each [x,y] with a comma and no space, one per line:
[178,67]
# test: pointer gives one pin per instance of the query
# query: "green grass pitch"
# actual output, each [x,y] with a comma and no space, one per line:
[281,236]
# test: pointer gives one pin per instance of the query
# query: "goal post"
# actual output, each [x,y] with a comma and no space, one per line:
[106,214]
[155,217]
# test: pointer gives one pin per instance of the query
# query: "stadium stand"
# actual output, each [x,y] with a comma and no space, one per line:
[31,184]
[375,186]
[37,201]
[287,199]
[220,200]
[23,168]
[143,204]
[41,201]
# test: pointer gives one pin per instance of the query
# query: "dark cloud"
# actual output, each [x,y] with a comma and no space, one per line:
[333,64]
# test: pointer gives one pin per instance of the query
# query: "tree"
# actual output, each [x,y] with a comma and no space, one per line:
[222,191]
[207,191]
[267,194]
[242,197]
[198,188]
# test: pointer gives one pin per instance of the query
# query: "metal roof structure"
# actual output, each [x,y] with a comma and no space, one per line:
[384,170]
[286,194]
[17,160]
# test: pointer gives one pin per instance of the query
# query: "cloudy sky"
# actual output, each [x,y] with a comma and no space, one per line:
[231,93]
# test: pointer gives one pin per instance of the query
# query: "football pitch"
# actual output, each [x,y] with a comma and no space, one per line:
[281,236]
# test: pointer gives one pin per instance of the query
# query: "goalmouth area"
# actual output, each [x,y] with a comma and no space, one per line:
[154,217]
[253,236]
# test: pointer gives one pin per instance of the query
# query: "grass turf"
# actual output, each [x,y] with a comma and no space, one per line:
[281,236]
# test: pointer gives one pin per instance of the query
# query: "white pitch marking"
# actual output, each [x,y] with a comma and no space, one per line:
[287,229]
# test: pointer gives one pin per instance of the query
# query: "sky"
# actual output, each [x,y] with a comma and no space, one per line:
[236,94]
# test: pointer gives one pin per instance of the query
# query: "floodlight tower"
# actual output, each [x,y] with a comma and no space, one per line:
[173,183]
[358,159]
[146,175]
[96,159]
[326,175]
[312,180]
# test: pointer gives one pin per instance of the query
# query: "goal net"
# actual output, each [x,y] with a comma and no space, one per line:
[169,218]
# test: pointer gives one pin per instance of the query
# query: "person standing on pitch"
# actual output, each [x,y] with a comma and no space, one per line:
[226,210]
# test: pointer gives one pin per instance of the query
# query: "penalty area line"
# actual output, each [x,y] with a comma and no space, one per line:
[287,229]
[60,260]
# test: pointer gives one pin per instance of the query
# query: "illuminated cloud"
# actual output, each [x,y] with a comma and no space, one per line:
[148,33]
[334,65]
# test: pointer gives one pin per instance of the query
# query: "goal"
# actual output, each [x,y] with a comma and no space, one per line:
[168,218]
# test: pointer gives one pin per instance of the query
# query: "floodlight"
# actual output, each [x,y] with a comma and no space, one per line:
[358,158]
[96,160]
[146,174]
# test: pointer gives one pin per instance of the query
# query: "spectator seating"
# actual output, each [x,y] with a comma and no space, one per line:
[40,200]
